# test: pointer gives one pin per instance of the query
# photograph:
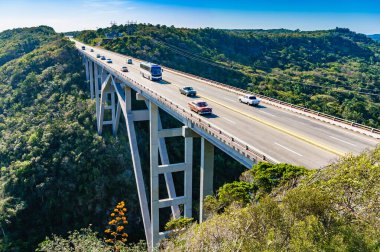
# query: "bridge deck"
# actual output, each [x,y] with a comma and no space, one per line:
[282,135]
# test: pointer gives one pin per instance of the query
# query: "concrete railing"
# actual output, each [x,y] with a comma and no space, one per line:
[373,132]
[211,129]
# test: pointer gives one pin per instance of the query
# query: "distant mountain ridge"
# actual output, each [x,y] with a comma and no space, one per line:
[375,37]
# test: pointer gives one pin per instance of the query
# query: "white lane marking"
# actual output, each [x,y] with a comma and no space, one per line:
[229,120]
[266,112]
[342,141]
[229,99]
[288,149]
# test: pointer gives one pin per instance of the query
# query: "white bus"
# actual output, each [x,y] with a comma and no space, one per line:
[151,71]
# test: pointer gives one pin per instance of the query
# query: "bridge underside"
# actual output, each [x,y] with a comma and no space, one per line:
[113,97]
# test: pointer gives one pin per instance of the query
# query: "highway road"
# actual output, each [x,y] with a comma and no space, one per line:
[277,133]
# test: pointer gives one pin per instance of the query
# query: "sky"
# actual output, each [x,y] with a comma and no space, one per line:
[70,15]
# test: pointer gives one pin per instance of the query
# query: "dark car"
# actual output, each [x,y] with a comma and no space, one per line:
[91,50]
[129,61]
[103,58]
[188,91]
[98,55]
[200,107]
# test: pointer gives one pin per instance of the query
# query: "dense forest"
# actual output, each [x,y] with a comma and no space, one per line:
[332,71]
[57,174]
[277,208]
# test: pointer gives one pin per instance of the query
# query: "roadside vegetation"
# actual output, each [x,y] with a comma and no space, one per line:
[287,208]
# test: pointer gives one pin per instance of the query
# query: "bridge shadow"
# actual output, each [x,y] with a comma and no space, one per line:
[259,107]
[211,116]
[164,82]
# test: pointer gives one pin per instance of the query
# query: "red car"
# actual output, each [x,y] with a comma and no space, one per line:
[200,107]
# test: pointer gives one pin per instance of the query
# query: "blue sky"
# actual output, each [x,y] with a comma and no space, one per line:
[66,15]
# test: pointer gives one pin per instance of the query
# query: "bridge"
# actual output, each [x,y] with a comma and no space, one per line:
[274,132]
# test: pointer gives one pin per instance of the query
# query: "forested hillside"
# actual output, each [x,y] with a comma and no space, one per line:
[287,208]
[57,174]
[15,43]
[332,71]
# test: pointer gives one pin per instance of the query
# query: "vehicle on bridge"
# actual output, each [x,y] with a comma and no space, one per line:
[91,50]
[200,107]
[98,55]
[103,57]
[188,91]
[83,48]
[109,61]
[129,61]
[151,71]
[124,69]
[249,99]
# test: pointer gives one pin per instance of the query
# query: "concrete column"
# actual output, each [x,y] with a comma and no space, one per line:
[154,182]
[207,174]
[87,71]
[97,92]
[117,119]
[91,79]
[113,113]
[188,176]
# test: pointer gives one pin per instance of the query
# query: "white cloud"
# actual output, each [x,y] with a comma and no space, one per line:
[105,3]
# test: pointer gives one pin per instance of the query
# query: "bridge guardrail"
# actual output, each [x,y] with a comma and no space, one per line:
[373,132]
[295,108]
[351,125]
[226,138]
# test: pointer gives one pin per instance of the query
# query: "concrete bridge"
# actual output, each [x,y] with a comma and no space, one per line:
[274,132]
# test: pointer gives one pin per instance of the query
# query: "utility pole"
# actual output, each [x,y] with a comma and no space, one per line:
[130,26]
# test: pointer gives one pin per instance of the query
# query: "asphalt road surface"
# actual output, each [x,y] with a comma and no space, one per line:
[282,135]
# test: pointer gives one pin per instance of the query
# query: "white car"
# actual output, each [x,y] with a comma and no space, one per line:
[249,99]
[109,61]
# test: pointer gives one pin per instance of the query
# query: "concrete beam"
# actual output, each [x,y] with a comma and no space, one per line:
[139,97]
[107,122]
[140,115]
[171,168]
[172,201]
[175,132]
[187,132]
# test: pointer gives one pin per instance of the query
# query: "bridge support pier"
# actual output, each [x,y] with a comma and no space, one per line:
[111,95]
[206,175]
[173,201]
[97,91]
[86,64]
[91,73]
